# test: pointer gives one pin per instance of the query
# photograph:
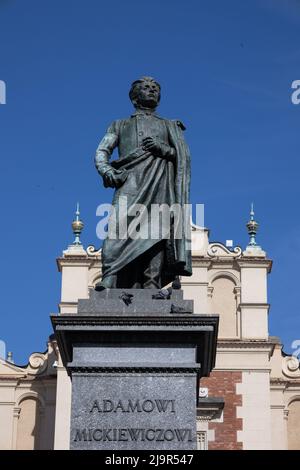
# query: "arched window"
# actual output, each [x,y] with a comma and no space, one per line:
[293,425]
[224,304]
[28,424]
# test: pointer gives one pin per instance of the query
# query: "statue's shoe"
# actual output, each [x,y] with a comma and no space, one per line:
[106,283]
[99,286]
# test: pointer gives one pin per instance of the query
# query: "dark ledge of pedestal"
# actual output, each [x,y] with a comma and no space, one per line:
[105,319]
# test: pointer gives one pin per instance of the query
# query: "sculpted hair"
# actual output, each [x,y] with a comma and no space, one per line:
[134,90]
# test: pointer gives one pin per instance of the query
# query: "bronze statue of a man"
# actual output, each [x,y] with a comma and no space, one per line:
[153,168]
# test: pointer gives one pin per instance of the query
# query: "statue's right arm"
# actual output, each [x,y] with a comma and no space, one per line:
[105,149]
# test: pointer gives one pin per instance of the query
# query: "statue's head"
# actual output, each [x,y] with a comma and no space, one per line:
[145,92]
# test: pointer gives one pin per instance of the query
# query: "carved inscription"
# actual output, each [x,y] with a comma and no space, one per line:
[156,406]
[133,434]
[132,406]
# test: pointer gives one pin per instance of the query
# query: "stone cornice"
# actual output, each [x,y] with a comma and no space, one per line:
[252,262]
[253,305]
[285,382]
[222,258]
[278,382]
[201,261]
[143,369]
[68,304]
[247,344]
[74,261]
[194,283]
[293,382]
[186,320]
[223,263]
[199,330]
[243,343]
[11,378]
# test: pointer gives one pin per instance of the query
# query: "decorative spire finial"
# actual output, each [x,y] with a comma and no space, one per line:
[77,226]
[252,227]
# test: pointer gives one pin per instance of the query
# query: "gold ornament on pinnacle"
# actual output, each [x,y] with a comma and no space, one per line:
[77,226]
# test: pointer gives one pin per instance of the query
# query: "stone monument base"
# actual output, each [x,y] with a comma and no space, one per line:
[135,369]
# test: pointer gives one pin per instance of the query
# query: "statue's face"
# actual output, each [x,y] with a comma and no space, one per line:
[148,95]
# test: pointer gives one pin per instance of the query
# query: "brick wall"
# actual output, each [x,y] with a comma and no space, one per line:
[223,384]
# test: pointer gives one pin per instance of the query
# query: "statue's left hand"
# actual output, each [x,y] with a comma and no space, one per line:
[114,178]
[158,149]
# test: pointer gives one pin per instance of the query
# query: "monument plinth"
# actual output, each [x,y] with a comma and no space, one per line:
[135,369]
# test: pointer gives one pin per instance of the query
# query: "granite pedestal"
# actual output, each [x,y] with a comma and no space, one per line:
[135,369]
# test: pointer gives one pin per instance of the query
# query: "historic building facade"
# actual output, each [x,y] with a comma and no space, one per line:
[251,399]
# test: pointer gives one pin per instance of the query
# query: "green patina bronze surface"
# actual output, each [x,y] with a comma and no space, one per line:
[153,167]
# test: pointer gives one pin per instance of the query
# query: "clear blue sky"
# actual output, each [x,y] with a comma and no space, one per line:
[226,70]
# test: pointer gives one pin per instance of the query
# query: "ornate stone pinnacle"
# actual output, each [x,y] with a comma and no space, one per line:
[77,226]
[9,357]
[252,227]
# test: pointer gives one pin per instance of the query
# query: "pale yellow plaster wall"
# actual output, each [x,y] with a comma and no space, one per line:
[242,356]
[6,426]
[255,410]
[254,321]
[63,409]
[254,285]
[195,287]
[278,417]
[74,283]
